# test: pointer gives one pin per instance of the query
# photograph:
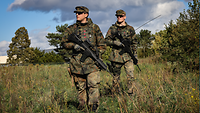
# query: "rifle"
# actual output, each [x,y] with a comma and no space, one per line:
[126,49]
[88,52]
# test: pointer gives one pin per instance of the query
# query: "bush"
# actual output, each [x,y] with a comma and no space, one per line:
[179,42]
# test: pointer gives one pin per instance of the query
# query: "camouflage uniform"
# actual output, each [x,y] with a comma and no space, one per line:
[117,60]
[86,76]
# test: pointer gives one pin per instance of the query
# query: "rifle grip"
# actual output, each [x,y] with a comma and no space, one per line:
[135,61]
[84,55]
[83,58]
[122,51]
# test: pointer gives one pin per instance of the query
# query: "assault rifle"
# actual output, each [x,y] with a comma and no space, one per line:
[88,52]
[126,49]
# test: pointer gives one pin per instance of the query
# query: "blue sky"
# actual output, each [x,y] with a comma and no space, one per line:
[12,20]
[40,17]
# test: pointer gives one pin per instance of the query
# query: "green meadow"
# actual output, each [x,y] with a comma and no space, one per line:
[159,87]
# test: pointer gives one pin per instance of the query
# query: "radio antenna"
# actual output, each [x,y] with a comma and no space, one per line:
[148,22]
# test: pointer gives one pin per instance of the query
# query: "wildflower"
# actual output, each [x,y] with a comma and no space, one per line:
[20,97]
[193,89]
[191,96]
[37,65]
[49,107]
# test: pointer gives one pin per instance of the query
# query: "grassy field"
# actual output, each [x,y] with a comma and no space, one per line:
[48,89]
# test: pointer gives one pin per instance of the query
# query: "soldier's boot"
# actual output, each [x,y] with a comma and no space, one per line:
[81,107]
[130,92]
[132,89]
[93,107]
[118,89]
[116,85]
[82,104]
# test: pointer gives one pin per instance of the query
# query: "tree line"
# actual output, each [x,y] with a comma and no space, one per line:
[20,51]
[177,43]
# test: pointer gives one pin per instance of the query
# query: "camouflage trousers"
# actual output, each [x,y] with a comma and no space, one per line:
[116,70]
[88,88]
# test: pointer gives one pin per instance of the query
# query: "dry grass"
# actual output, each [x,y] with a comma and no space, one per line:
[48,88]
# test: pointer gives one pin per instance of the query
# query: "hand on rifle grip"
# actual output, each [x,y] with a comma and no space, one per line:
[118,43]
[78,48]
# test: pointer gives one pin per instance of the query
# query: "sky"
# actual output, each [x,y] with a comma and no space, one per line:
[41,17]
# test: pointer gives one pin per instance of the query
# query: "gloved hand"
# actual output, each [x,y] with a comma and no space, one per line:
[118,43]
[78,48]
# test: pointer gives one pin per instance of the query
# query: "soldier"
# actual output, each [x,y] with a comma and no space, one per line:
[117,60]
[85,74]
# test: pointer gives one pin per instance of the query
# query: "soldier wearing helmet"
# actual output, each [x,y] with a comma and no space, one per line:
[86,74]
[117,61]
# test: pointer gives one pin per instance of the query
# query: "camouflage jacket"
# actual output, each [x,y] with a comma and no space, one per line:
[126,31]
[84,31]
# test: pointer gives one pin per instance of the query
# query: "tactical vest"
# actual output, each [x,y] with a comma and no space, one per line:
[123,30]
[87,32]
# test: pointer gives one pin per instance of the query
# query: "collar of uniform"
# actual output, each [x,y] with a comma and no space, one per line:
[81,24]
[89,21]
[117,24]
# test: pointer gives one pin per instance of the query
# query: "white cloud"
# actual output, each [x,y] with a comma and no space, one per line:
[188,0]
[38,38]
[167,8]
[16,2]
[4,45]
[102,13]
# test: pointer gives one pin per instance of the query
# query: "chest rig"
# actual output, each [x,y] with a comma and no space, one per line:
[86,32]
[124,31]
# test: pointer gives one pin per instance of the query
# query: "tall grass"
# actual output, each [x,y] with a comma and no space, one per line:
[48,88]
